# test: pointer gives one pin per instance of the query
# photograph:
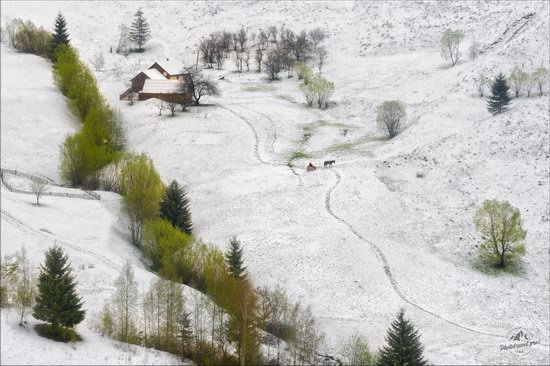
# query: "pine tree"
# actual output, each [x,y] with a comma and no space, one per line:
[139,31]
[500,97]
[234,259]
[61,35]
[403,344]
[57,301]
[174,207]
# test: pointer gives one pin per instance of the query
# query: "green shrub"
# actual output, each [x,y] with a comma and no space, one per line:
[66,67]
[161,241]
[142,190]
[81,160]
[299,155]
[101,140]
[303,71]
[27,37]
[501,229]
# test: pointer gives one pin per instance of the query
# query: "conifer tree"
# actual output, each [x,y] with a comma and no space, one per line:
[139,31]
[234,259]
[174,207]
[61,35]
[403,344]
[500,97]
[57,301]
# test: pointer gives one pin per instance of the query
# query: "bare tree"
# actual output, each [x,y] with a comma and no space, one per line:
[160,105]
[317,35]
[226,39]
[263,39]
[300,46]
[39,186]
[98,62]
[450,45]
[125,303]
[322,55]
[200,85]
[272,63]
[389,116]
[218,49]
[171,106]
[207,48]
[243,38]
[272,31]
[258,56]
[480,81]
[124,43]
[246,59]
[24,293]
[518,78]
[237,60]
[473,51]
[540,77]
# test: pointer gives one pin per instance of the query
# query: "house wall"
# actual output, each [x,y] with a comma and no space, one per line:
[170,98]
[138,81]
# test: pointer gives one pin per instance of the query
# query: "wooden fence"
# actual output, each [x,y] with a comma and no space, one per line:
[85,195]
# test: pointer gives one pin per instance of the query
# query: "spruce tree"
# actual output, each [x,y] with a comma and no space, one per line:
[139,31]
[500,97]
[57,301]
[403,344]
[174,207]
[61,35]
[234,259]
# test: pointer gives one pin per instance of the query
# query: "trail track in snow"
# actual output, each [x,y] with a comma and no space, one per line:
[382,258]
[269,144]
[28,229]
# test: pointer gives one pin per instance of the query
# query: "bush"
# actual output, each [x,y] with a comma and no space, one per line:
[501,229]
[81,160]
[303,71]
[142,190]
[318,89]
[101,140]
[161,241]
[28,38]
[389,116]
[356,351]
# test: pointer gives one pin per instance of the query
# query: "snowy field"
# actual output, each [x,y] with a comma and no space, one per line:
[355,241]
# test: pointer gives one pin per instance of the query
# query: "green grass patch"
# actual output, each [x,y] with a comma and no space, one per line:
[299,155]
[310,127]
[348,146]
[489,266]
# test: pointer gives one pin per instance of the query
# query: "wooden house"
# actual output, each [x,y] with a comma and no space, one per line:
[164,80]
[173,91]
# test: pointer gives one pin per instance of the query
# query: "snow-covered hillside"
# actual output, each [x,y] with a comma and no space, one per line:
[388,226]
